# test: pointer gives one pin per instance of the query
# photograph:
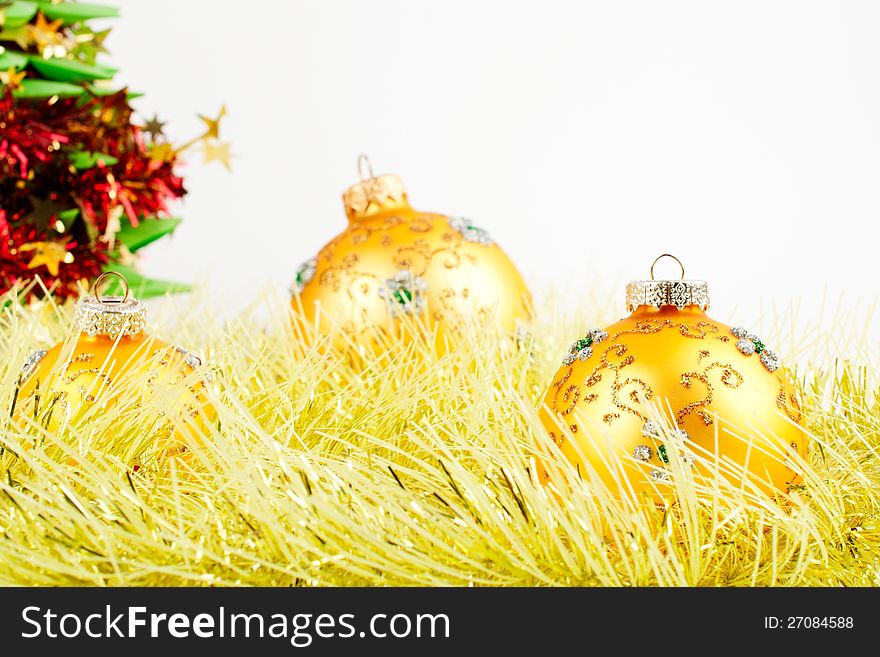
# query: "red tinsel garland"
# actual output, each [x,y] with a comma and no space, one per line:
[39,182]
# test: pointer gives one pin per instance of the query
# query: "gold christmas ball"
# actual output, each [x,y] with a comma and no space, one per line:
[395,271]
[110,363]
[669,373]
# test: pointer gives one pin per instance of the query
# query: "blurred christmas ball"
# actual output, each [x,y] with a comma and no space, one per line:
[395,269]
[112,363]
[724,387]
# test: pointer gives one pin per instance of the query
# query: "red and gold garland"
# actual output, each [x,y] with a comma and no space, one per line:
[82,186]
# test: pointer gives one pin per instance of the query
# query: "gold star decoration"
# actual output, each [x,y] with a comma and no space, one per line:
[11,78]
[162,152]
[89,44]
[154,127]
[48,254]
[98,39]
[213,131]
[83,35]
[115,110]
[50,42]
[218,152]
[43,212]
[21,36]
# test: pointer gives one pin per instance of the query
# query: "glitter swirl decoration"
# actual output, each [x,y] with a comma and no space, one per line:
[395,268]
[84,184]
[109,356]
[668,355]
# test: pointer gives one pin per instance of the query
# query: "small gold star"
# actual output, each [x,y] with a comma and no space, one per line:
[96,39]
[46,36]
[213,131]
[99,38]
[219,152]
[88,44]
[48,254]
[154,127]
[11,78]
[43,213]
[162,152]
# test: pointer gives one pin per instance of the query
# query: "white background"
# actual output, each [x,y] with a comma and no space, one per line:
[587,137]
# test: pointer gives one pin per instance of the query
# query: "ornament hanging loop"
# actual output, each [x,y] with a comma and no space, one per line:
[666,255]
[365,167]
[659,293]
[110,300]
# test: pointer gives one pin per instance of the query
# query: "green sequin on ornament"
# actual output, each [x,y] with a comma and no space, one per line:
[582,348]
[661,454]
[405,293]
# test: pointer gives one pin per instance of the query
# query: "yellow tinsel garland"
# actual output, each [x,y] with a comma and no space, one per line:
[407,470]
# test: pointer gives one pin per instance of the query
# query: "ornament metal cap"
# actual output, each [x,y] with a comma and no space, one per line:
[113,316]
[680,293]
[373,192]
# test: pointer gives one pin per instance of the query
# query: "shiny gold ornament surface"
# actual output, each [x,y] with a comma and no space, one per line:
[110,363]
[668,372]
[395,267]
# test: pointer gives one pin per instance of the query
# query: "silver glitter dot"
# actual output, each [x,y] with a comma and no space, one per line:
[304,273]
[650,429]
[191,358]
[598,335]
[746,347]
[31,363]
[739,332]
[769,361]
[659,475]
[568,359]
[642,453]
[469,232]
[681,435]
[584,353]
[686,457]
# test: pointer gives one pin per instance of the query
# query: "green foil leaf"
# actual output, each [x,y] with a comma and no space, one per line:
[18,13]
[10,60]
[146,232]
[139,285]
[45,88]
[82,160]
[68,70]
[75,12]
